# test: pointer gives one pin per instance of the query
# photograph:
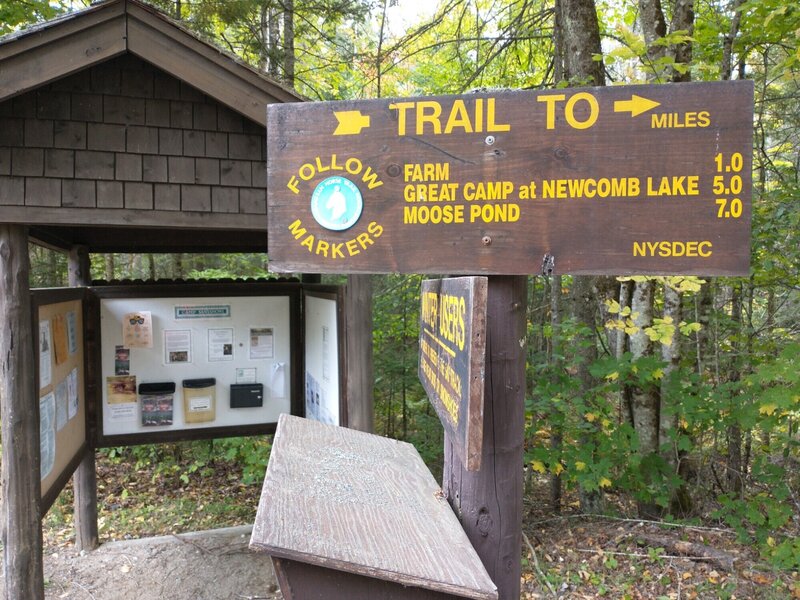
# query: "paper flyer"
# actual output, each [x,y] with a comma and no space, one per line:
[60,342]
[220,344]
[45,360]
[246,375]
[122,360]
[72,332]
[62,402]
[177,346]
[47,433]
[137,330]
[261,343]
[121,397]
[72,393]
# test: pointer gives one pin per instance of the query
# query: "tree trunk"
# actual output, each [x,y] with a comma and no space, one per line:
[274,41]
[583,310]
[558,44]
[726,68]
[177,266]
[734,470]
[110,267]
[264,30]
[671,353]
[581,36]
[580,33]
[682,20]
[654,27]
[19,420]
[555,358]
[288,42]
[669,418]
[645,401]
[625,406]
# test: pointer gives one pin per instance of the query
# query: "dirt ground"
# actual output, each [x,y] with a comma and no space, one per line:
[206,565]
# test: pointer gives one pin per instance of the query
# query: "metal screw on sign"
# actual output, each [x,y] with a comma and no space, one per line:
[489,140]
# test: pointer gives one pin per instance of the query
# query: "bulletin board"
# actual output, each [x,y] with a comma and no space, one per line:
[324,372]
[60,381]
[195,362]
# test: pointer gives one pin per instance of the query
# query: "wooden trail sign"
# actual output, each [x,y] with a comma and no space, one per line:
[452,355]
[649,179]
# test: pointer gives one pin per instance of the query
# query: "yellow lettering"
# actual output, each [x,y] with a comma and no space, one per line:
[569,110]
[550,101]
[401,108]
[297,230]
[491,125]
[375,229]
[351,247]
[458,118]
[353,166]
[307,171]
[429,111]
[673,249]
[370,177]
[424,214]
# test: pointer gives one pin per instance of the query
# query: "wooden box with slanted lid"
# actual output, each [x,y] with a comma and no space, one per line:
[350,515]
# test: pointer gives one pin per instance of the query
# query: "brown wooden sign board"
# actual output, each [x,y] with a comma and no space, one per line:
[452,358]
[649,179]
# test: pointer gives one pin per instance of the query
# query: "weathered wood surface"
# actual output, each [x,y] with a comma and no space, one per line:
[19,413]
[452,340]
[27,63]
[489,502]
[302,581]
[111,28]
[358,368]
[84,481]
[367,505]
[503,182]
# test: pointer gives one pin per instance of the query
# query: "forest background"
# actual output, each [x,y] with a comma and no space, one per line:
[664,398]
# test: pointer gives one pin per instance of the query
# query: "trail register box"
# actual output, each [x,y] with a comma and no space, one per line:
[616,180]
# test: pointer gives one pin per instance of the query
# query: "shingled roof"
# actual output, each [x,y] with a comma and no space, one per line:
[122,131]
[49,51]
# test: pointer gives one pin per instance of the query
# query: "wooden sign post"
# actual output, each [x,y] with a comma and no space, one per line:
[488,502]
[612,180]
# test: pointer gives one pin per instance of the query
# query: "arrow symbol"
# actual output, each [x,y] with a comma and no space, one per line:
[351,122]
[636,105]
